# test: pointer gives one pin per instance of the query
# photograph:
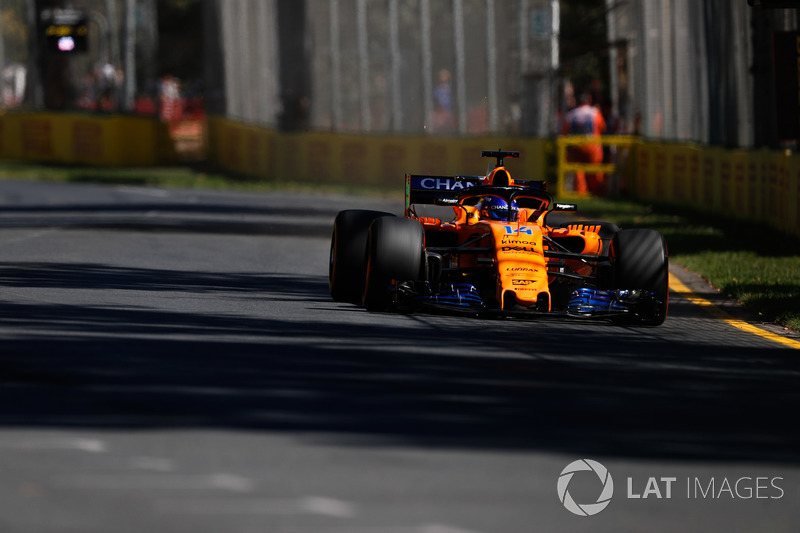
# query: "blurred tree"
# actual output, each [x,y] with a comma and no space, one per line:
[53,66]
[295,76]
[15,31]
[584,45]
[180,37]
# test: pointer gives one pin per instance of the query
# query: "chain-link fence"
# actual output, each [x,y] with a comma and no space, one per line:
[402,66]
[415,66]
[242,59]
[686,70]
[681,70]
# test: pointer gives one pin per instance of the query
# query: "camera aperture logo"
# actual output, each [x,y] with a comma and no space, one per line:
[585,509]
[595,478]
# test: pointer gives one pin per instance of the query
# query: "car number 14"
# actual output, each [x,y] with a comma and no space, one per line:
[527,230]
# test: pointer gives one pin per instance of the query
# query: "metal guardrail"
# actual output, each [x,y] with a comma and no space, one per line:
[564,167]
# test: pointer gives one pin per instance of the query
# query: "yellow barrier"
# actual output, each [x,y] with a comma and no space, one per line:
[759,185]
[565,167]
[364,160]
[750,184]
[111,140]
[753,185]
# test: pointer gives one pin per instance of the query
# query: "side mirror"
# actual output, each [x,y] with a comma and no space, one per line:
[448,202]
[570,208]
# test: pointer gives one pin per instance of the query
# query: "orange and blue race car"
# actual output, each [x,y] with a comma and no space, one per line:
[504,248]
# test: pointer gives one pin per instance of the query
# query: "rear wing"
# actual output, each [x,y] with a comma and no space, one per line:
[444,190]
[437,189]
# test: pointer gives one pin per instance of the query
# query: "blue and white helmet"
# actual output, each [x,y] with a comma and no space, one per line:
[495,208]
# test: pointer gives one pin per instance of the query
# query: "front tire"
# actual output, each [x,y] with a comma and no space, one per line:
[641,261]
[348,256]
[395,251]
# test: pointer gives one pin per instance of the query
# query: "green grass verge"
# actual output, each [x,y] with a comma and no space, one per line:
[752,263]
[190,176]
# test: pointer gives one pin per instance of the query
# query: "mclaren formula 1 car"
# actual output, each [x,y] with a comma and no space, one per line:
[504,248]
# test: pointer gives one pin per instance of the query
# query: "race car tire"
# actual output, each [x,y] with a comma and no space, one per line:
[395,251]
[641,261]
[348,254]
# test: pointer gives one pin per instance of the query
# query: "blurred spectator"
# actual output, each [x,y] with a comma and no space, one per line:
[586,119]
[170,95]
[478,119]
[444,119]
[88,98]
[109,79]
[13,84]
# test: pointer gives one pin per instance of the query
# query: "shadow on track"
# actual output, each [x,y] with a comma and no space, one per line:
[174,217]
[173,208]
[484,384]
[94,276]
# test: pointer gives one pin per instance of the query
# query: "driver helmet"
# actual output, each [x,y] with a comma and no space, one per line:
[495,208]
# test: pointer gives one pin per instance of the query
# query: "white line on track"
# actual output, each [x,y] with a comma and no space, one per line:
[158,193]
[27,236]
[306,505]
[427,528]
[158,481]
[47,443]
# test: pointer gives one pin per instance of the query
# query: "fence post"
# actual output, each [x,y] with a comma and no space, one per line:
[336,67]
[460,74]
[363,65]
[395,59]
[491,62]
[427,63]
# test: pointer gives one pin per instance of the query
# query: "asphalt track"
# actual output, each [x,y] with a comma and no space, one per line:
[171,362]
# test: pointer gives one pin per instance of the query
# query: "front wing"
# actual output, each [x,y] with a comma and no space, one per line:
[464,298]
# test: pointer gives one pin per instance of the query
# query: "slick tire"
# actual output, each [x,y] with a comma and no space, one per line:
[395,251]
[348,257]
[641,261]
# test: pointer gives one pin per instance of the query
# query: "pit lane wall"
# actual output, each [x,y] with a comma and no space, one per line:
[75,138]
[360,160]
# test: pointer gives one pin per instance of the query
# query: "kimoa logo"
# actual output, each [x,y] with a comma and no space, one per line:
[586,509]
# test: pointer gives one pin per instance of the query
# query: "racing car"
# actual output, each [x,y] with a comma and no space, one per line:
[503,247]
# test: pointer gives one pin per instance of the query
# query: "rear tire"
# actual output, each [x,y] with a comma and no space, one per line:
[641,261]
[348,254]
[395,250]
